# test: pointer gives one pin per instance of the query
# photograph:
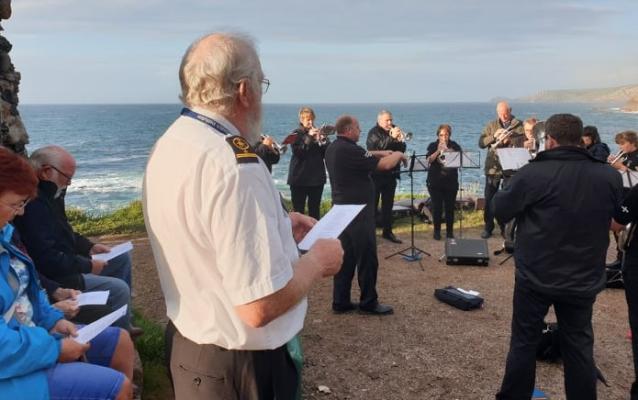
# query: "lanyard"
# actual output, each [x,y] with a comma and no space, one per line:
[206,120]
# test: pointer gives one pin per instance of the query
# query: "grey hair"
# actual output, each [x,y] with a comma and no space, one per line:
[213,66]
[383,112]
[48,155]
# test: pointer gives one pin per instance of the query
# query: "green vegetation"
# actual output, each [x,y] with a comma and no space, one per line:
[151,348]
[126,220]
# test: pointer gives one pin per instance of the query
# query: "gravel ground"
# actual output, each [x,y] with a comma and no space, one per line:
[427,349]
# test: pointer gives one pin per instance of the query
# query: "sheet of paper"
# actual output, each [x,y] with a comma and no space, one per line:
[88,332]
[93,298]
[629,178]
[115,251]
[513,158]
[332,224]
[452,159]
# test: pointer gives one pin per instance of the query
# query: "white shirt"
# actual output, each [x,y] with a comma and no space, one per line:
[220,237]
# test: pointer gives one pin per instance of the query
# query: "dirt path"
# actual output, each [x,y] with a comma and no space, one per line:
[427,349]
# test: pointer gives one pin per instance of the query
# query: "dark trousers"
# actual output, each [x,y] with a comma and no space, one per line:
[210,372]
[299,194]
[384,188]
[576,344]
[443,196]
[360,253]
[492,183]
[630,278]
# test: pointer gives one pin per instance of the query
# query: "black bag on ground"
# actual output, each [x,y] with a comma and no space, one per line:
[454,297]
[614,275]
[549,347]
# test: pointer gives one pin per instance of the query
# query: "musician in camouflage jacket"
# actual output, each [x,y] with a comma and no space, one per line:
[504,131]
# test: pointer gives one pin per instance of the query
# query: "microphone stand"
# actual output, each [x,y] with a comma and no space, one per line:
[415,253]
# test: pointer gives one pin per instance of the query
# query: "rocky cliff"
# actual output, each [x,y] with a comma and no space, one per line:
[616,95]
[12,132]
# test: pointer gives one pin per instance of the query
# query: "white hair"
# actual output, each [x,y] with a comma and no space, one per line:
[212,68]
[48,155]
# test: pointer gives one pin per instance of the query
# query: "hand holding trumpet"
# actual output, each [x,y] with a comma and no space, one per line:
[397,134]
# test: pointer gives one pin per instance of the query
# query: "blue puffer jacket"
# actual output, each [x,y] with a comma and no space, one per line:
[25,352]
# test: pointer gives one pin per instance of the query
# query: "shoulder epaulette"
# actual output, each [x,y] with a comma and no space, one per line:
[244,153]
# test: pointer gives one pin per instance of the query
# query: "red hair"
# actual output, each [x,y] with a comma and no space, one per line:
[16,174]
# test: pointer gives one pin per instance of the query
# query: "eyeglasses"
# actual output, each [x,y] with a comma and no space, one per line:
[265,84]
[17,207]
[69,178]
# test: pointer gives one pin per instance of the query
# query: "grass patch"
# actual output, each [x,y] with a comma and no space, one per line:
[151,348]
[126,220]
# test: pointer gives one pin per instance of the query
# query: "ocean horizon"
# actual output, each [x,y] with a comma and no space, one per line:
[111,142]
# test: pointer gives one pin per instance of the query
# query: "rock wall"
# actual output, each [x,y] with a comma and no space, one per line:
[12,131]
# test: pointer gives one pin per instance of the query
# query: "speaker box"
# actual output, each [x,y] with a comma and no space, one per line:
[467,252]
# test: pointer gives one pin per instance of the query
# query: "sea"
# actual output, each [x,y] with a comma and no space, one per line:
[111,143]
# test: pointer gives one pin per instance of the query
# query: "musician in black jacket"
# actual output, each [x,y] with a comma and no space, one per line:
[307,171]
[443,183]
[627,159]
[563,202]
[385,136]
[628,213]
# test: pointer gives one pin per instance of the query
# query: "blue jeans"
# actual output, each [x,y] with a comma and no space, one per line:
[78,380]
[119,267]
[119,294]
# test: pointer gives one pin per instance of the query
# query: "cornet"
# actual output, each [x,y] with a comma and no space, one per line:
[505,135]
[403,136]
[281,149]
[324,131]
[617,157]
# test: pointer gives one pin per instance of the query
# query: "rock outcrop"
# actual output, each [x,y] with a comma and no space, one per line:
[12,131]
[631,105]
[616,95]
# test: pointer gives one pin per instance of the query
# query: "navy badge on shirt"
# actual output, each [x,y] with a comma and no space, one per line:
[244,153]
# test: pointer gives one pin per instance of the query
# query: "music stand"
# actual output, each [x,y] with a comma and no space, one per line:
[467,160]
[418,163]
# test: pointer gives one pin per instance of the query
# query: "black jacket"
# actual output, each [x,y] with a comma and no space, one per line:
[380,139]
[563,202]
[437,174]
[307,167]
[599,151]
[57,251]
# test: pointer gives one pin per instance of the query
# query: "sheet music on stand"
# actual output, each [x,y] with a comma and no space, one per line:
[513,158]
[629,178]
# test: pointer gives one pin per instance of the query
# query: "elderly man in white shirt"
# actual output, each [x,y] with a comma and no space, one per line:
[225,247]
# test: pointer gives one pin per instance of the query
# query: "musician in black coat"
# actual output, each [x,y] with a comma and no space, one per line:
[307,171]
[628,213]
[593,144]
[442,182]
[628,144]
[563,202]
[386,136]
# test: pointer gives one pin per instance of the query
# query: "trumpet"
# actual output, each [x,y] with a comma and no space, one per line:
[617,157]
[324,130]
[442,150]
[403,136]
[281,149]
[505,135]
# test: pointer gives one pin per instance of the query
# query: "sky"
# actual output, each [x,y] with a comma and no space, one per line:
[128,51]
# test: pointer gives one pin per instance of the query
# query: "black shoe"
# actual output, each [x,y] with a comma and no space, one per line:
[342,309]
[390,236]
[449,235]
[437,235]
[485,234]
[378,309]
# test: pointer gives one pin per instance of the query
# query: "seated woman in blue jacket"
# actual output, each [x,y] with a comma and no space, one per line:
[38,355]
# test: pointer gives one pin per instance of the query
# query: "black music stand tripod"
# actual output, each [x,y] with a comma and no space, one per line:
[413,253]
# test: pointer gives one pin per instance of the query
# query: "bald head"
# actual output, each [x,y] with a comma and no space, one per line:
[214,69]
[504,111]
[51,155]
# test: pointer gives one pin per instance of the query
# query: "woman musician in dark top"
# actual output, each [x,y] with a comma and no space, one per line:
[593,144]
[627,157]
[442,182]
[307,170]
